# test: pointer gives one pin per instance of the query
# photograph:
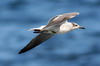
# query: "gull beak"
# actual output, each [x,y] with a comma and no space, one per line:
[81,27]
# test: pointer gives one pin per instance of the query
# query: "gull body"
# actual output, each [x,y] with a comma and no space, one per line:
[56,25]
[66,27]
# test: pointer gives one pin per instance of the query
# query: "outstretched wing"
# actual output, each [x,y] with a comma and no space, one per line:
[61,18]
[36,41]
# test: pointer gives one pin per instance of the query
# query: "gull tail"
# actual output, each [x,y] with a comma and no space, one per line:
[36,30]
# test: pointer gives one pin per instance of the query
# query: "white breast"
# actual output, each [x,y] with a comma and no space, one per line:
[66,27]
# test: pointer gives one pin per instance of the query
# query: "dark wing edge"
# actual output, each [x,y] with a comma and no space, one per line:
[36,41]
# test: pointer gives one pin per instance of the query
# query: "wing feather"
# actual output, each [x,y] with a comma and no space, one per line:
[61,18]
[36,41]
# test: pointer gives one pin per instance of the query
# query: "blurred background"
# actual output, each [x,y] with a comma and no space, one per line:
[77,48]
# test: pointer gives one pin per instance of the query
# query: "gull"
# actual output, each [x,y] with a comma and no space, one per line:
[57,25]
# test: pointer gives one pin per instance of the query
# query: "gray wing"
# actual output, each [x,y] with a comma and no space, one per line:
[36,41]
[61,18]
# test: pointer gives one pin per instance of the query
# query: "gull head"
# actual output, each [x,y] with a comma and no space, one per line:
[76,26]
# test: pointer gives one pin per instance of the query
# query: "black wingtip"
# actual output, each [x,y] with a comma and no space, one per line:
[23,50]
[20,52]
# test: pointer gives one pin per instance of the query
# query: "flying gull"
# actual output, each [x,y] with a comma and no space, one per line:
[56,25]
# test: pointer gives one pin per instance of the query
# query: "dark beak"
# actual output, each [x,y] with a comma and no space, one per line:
[81,27]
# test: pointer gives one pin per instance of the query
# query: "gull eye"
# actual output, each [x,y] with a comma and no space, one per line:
[75,25]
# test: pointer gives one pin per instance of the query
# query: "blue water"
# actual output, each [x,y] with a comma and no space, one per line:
[77,48]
